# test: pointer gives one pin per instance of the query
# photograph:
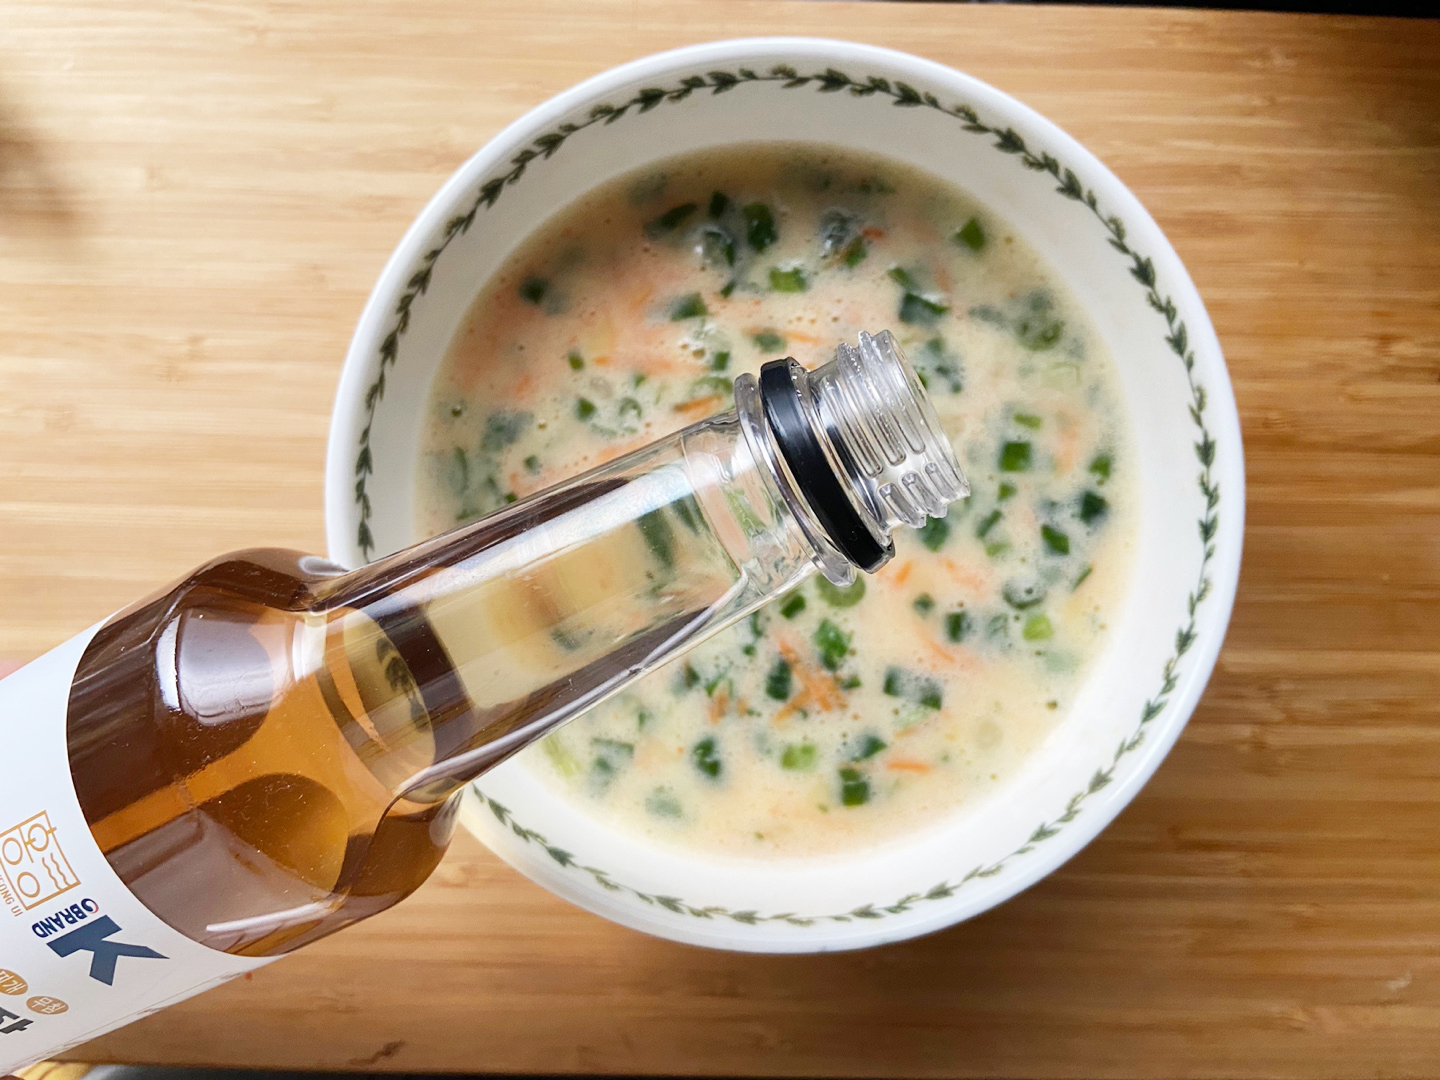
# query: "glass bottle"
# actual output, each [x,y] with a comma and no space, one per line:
[273,747]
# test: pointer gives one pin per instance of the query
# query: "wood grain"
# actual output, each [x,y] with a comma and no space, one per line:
[194,201]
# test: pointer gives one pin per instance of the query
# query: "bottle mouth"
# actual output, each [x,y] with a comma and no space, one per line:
[864,447]
[879,414]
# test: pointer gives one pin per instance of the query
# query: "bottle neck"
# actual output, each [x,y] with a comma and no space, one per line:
[855,449]
[513,625]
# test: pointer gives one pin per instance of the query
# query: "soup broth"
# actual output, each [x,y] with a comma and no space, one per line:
[834,718]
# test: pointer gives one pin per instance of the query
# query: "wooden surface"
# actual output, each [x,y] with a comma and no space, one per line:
[194,201]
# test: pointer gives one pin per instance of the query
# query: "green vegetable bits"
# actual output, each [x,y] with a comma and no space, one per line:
[833,718]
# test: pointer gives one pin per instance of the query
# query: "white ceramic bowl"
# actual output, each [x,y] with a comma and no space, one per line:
[1162,645]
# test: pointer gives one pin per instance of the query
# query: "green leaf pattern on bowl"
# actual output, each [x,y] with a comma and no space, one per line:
[1006,141]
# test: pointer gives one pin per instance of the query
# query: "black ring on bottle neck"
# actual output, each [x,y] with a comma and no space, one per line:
[821,488]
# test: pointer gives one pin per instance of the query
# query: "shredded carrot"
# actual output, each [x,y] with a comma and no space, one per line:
[914,729]
[804,339]
[639,301]
[789,709]
[901,573]
[525,386]
[601,361]
[656,360]
[973,579]
[718,704]
[818,687]
[907,765]
[1069,447]
[938,653]
[873,232]
[700,405]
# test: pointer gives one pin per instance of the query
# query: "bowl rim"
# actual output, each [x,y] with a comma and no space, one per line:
[1196,339]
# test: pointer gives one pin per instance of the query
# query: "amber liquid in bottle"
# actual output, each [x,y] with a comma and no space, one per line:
[262,751]
[272,749]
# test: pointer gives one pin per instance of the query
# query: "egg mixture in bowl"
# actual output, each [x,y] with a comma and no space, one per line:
[849,767]
[834,718]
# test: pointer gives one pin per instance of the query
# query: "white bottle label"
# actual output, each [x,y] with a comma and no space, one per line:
[79,953]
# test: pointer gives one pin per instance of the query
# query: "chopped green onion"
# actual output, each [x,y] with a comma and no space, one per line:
[1101,467]
[1029,420]
[924,603]
[503,428]
[584,408]
[798,757]
[769,341]
[717,247]
[869,746]
[792,605]
[833,643]
[760,226]
[688,511]
[1015,457]
[719,361]
[988,522]
[669,221]
[840,598]
[532,464]
[917,688]
[921,310]
[534,289]
[688,307]
[1039,332]
[901,277]
[1023,594]
[662,803]
[703,756]
[934,533]
[719,203]
[854,788]
[1038,628]
[659,537]
[957,626]
[614,747]
[837,228]
[1055,540]
[792,280]
[972,235]
[1092,507]
[778,681]
[576,360]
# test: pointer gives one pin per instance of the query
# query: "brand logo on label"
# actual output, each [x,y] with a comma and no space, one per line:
[75,913]
[94,938]
[33,868]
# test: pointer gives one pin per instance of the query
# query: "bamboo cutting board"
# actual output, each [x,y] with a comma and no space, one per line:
[194,201]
